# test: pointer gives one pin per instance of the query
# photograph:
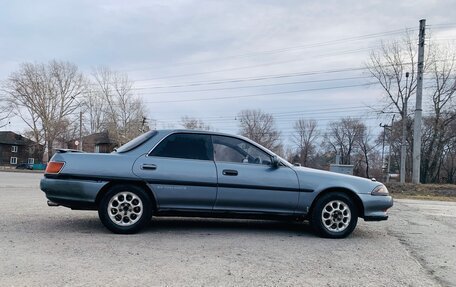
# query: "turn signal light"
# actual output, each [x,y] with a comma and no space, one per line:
[54,167]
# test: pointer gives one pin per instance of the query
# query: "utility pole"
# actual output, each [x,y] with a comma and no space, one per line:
[389,152]
[385,170]
[418,109]
[383,142]
[404,132]
[80,129]
[143,123]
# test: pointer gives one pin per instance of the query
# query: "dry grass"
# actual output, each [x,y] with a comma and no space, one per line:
[443,192]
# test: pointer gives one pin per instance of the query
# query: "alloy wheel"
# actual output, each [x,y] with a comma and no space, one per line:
[336,216]
[125,208]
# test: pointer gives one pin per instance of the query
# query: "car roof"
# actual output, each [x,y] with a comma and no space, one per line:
[195,131]
[208,133]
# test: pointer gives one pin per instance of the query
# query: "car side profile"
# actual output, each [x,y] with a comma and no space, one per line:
[208,174]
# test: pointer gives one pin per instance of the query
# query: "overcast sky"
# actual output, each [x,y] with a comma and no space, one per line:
[245,54]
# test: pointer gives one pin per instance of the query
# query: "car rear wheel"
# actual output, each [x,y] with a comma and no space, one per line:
[334,215]
[125,209]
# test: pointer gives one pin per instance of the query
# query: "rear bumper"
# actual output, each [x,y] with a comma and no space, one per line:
[76,194]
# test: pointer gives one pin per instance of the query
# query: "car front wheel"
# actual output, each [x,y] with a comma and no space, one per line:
[334,215]
[125,209]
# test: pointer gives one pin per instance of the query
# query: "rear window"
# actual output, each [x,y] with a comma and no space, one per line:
[136,142]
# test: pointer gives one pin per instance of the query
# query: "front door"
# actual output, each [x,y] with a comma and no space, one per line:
[248,183]
[181,172]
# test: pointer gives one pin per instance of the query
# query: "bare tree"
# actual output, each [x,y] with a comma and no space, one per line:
[448,166]
[70,131]
[94,111]
[260,127]
[304,136]
[343,137]
[367,148]
[43,96]
[389,64]
[441,68]
[125,114]
[5,112]
[194,124]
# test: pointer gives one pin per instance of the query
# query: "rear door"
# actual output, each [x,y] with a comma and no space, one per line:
[248,183]
[181,172]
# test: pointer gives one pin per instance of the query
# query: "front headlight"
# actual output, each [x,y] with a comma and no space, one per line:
[380,190]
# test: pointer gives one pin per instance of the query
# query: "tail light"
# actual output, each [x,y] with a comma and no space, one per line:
[54,167]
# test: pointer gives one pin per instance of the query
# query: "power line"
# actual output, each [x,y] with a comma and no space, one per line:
[441,25]
[273,93]
[258,95]
[257,65]
[245,79]
[355,38]
[256,86]
[290,113]
[298,47]
[260,78]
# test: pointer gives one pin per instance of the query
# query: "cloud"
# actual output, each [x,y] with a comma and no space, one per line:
[156,41]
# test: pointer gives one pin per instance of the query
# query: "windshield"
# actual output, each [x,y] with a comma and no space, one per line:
[134,143]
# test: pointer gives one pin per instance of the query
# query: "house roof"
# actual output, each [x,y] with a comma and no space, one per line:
[12,138]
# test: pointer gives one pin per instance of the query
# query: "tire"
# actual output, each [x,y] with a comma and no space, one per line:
[334,215]
[125,209]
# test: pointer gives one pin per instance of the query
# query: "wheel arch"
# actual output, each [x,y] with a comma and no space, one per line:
[140,184]
[356,200]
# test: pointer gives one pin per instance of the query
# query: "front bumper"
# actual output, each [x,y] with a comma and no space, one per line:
[73,193]
[375,207]
[376,218]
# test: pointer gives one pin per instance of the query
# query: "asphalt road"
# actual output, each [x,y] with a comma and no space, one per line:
[55,246]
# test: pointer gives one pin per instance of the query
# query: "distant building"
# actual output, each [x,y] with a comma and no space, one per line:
[342,168]
[16,149]
[97,142]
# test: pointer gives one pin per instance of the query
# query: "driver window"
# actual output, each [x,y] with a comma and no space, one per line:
[230,149]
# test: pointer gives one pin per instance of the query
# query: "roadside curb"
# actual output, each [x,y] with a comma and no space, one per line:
[22,170]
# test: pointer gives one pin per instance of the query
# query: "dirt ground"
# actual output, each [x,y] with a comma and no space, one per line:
[56,246]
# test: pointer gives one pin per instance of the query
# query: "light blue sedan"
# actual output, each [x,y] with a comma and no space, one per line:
[208,174]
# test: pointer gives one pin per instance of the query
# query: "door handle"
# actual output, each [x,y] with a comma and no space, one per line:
[230,172]
[149,166]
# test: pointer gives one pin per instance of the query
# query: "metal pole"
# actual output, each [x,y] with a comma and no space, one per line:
[383,143]
[80,130]
[384,169]
[418,110]
[389,152]
[404,132]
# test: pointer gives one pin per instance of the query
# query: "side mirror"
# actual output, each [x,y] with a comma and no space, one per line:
[275,162]
[296,164]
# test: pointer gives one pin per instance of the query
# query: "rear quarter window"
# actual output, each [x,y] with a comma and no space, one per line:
[136,142]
